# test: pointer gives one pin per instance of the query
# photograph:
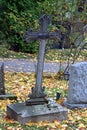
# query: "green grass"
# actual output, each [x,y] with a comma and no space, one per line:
[15,126]
[5,53]
[51,55]
[59,55]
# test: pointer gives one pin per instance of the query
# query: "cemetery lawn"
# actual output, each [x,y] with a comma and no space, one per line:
[20,84]
[52,55]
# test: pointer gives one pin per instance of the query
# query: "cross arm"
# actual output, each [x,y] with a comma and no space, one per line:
[29,35]
[55,35]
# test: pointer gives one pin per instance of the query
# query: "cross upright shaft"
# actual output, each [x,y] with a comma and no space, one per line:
[44,21]
[43,35]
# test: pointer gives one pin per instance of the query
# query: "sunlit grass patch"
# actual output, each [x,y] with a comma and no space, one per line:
[53,55]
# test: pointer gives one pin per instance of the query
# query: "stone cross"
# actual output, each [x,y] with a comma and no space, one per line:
[38,107]
[42,35]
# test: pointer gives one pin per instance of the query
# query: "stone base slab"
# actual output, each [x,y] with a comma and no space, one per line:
[23,114]
[71,106]
[7,96]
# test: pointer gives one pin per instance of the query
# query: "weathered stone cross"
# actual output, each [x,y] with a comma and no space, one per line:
[43,35]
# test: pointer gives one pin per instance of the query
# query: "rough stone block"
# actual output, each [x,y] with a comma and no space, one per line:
[77,91]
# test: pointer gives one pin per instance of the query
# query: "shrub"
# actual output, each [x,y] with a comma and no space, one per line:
[16,17]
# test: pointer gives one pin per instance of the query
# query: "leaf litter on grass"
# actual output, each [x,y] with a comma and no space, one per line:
[20,84]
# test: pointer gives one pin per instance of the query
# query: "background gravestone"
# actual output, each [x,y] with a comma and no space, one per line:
[2,88]
[3,95]
[77,91]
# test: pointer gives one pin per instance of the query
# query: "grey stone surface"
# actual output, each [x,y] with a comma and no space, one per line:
[25,65]
[3,95]
[24,114]
[2,87]
[77,91]
[42,35]
[8,96]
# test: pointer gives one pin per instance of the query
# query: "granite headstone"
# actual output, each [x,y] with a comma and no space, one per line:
[77,91]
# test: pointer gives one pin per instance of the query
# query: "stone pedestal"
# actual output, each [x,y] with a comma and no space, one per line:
[23,113]
[77,91]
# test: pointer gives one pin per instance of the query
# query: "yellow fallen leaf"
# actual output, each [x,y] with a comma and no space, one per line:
[78,117]
[52,125]
[71,118]
[81,125]
[85,119]
[9,128]
[65,125]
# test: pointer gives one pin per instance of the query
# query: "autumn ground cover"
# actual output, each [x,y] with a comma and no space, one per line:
[20,84]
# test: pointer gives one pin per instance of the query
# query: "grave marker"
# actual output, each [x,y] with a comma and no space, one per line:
[77,91]
[43,35]
[2,87]
[3,94]
[38,107]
